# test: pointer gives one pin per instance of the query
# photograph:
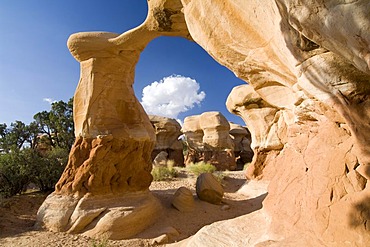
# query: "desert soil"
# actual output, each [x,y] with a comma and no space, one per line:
[18,214]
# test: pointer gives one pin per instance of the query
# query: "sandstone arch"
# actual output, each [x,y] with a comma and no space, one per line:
[104,187]
[302,58]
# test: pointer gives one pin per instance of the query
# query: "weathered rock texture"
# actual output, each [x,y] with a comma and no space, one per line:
[242,144]
[104,188]
[265,125]
[167,132]
[308,66]
[209,189]
[183,200]
[208,140]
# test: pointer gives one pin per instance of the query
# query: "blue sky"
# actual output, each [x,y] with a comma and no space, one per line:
[35,63]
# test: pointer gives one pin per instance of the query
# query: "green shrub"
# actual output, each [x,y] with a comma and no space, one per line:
[103,242]
[19,168]
[161,173]
[201,167]
[14,173]
[246,166]
[49,168]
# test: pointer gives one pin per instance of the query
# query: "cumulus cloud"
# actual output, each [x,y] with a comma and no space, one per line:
[171,96]
[49,100]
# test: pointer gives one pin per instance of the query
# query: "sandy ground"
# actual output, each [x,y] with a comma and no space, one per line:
[18,214]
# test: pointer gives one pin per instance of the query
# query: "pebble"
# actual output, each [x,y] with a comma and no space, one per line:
[163,239]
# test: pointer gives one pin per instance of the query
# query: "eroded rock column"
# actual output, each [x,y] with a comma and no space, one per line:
[242,144]
[308,60]
[168,131]
[104,188]
[265,124]
[209,140]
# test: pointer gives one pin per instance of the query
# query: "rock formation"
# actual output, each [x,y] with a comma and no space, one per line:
[308,66]
[183,200]
[104,188]
[208,140]
[264,124]
[167,132]
[242,144]
[209,189]
[160,159]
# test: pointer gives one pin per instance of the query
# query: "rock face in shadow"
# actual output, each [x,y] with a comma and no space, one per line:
[167,132]
[208,140]
[242,144]
[307,107]
[104,188]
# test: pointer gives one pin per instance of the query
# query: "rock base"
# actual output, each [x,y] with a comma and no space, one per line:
[110,216]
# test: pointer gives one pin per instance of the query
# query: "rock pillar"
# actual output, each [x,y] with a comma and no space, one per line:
[208,140]
[168,131]
[104,188]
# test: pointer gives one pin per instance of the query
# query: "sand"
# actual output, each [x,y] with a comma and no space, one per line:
[18,214]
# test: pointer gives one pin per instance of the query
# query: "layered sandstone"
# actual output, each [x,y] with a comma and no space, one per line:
[242,144]
[167,132]
[307,106]
[104,188]
[307,65]
[209,189]
[265,125]
[208,140]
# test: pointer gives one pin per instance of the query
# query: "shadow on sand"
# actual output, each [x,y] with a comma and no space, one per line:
[188,223]
[18,213]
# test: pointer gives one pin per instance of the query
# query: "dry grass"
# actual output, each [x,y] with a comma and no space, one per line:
[162,173]
[201,167]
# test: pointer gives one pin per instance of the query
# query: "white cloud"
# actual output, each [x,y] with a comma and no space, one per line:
[171,96]
[49,100]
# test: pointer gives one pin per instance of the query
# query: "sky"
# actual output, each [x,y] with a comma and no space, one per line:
[174,77]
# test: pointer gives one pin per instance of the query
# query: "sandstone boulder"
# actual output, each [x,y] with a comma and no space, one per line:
[183,200]
[160,159]
[167,131]
[167,235]
[209,189]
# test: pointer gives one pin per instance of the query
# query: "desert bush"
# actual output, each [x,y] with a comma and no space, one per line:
[49,168]
[19,168]
[161,173]
[220,176]
[201,167]
[246,166]
[14,173]
[103,242]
